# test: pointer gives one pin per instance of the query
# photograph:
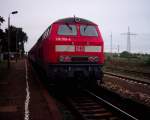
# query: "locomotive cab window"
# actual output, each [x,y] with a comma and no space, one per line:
[88,30]
[67,30]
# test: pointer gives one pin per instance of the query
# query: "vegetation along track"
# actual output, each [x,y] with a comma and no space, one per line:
[88,106]
[130,79]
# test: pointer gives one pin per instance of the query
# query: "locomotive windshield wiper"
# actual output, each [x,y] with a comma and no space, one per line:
[68,26]
[85,27]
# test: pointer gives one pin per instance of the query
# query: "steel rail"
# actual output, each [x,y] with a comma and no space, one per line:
[128,78]
[134,71]
[86,108]
[113,106]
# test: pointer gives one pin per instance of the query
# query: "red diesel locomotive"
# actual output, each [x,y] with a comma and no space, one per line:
[70,51]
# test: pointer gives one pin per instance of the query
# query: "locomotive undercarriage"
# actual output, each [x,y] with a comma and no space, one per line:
[74,74]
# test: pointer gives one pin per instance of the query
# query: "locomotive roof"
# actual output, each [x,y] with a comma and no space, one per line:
[74,20]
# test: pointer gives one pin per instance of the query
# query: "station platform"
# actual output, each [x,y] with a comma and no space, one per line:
[23,98]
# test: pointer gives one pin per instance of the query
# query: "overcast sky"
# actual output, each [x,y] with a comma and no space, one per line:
[34,16]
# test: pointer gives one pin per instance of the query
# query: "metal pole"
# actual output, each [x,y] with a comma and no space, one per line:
[16,55]
[118,47]
[8,55]
[128,39]
[111,43]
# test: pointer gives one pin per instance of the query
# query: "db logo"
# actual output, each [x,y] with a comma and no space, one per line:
[79,48]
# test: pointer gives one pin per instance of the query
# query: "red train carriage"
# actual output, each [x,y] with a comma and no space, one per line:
[70,48]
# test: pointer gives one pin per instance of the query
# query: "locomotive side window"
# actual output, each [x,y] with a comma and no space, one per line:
[88,30]
[46,33]
[67,30]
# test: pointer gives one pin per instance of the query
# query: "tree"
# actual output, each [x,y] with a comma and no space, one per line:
[2,36]
[125,54]
[17,39]
[147,61]
[1,20]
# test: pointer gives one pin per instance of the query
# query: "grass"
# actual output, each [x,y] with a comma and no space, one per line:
[121,65]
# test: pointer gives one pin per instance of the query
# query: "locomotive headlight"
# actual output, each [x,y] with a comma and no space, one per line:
[65,59]
[96,59]
[61,58]
[93,59]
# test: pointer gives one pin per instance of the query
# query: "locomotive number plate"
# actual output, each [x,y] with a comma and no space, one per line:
[79,48]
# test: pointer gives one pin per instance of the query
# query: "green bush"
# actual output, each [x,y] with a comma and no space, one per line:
[125,54]
[147,61]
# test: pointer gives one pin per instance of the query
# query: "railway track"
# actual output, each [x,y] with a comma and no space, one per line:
[88,106]
[145,73]
[130,79]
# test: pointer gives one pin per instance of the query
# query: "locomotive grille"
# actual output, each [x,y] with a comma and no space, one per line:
[79,59]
